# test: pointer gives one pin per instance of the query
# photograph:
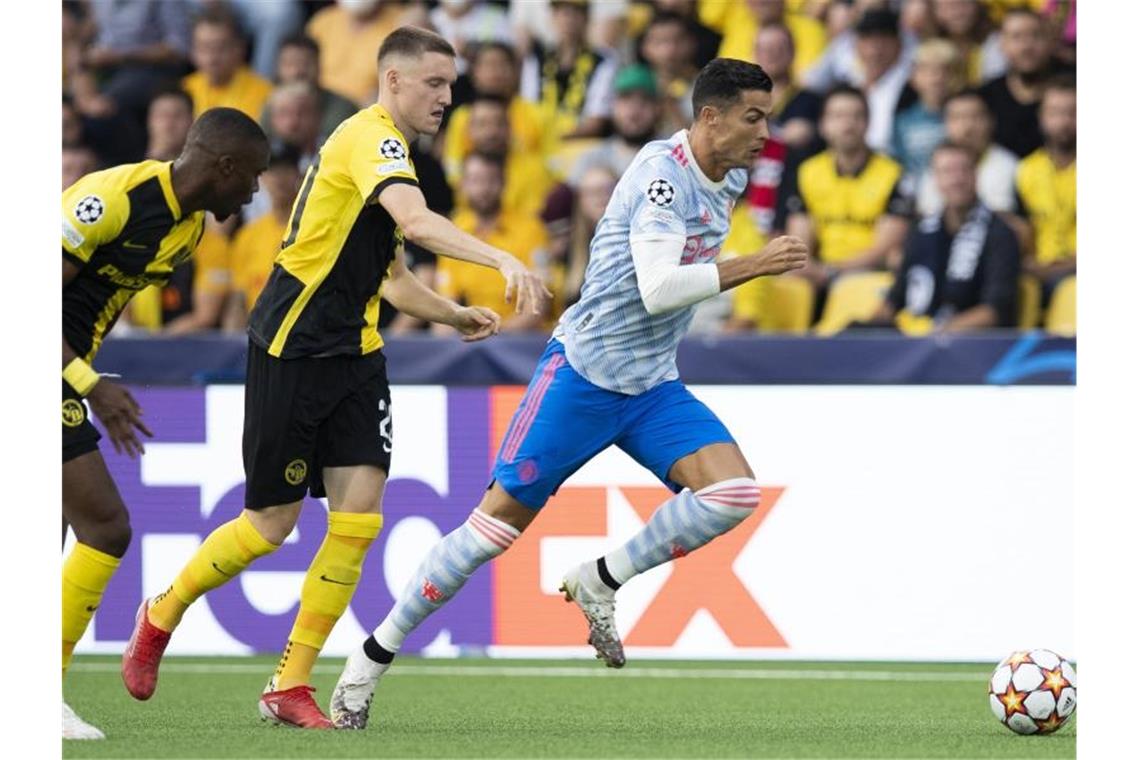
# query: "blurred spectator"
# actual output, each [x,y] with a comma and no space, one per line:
[78,161]
[795,111]
[256,245]
[969,123]
[593,195]
[1014,98]
[842,62]
[299,60]
[571,82]
[668,47]
[1047,188]
[847,201]
[520,234]
[1062,18]
[532,22]
[72,129]
[466,23]
[959,269]
[168,122]
[966,24]
[489,132]
[918,128]
[637,113]
[294,111]
[883,72]
[740,21]
[140,46]
[222,78]
[269,24]
[349,34]
[707,40]
[495,72]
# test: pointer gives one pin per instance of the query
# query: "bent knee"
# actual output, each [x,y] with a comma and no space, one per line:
[109,532]
[737,493]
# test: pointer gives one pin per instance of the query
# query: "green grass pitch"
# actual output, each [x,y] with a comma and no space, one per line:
[206,707]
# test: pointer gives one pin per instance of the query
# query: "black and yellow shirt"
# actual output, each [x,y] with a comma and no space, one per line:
[125,229]
[1047,195]
[323,296]
[845,209]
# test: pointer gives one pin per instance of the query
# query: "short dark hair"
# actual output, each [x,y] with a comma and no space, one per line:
[413,41]
[225,130]
[300,41]
[721,81]
[490,158]
[173,92]
[667,17]
[846,90]
[1023,11]
[494,45]
[220,16]
[946,145]
[969,93]
[487,98]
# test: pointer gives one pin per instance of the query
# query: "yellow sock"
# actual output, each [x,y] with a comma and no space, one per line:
[225,553]
[86,574]
[328,589]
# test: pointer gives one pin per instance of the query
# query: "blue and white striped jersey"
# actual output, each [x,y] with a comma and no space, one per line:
[610,337]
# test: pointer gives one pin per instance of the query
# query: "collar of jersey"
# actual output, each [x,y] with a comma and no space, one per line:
[165,179]
[701,176]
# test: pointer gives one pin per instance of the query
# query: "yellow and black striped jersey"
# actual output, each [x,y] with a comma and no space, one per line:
[323,295]
[125,229]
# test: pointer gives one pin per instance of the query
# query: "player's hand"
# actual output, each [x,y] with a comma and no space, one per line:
[783,254]
[121,415]
[476,323]
[525,288]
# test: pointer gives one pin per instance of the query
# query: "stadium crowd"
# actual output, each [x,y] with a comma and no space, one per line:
[926,149]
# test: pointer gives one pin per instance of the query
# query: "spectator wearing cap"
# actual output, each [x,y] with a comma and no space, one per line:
[168,122]
[918,128]
[521,234]
[349,33]
[969,124]
[637,115]
[299,60]
[960,268]
[571,81]
[489,132]
[739,22]
[257,243]
[668,47]
[223,78]
[795,110]
[494,72]
[966,24]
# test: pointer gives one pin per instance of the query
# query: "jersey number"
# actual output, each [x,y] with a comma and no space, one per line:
[299,206]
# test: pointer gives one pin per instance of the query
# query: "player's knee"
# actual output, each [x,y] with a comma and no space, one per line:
[274,524]
[736,496]
[108,532]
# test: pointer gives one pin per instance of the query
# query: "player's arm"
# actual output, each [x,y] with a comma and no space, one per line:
[408,208]
[410,296]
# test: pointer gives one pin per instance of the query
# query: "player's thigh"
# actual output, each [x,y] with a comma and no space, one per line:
[354,443]
[284,406]
[562,422]
[92,504]
[674,435]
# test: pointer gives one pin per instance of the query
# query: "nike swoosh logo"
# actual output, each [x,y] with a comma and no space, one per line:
[220,570]
[326,579]
[136,246]
[92,609]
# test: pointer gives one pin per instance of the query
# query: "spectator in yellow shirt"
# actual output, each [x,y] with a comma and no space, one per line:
[1047,188]
[739,21]
[255,246]
[518,233]
[222,78]
[349,35]
[528,179]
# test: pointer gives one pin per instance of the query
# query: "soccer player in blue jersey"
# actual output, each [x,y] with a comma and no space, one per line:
[609,377]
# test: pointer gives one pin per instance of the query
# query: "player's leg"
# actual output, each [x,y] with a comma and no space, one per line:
[561,422]
[681,441]
[277,445]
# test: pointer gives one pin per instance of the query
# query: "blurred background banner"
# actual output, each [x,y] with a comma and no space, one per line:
[892,519]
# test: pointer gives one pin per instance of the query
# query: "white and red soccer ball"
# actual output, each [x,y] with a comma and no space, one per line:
[1034,692]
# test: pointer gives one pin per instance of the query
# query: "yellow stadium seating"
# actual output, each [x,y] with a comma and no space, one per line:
[1061,317]
[789,305]
[853,297]
[1028,302]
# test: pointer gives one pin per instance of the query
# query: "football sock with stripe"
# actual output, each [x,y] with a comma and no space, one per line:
[682,524]
[225,553]
[86,573]
[328,588]
[442,573]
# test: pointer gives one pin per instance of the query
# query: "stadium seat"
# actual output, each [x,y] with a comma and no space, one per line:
[1061,317]
[1028,302]
[853,297]
[789,305]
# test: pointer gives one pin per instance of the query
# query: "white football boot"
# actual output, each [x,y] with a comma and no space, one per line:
[75,727]
[352,695]
[596,600]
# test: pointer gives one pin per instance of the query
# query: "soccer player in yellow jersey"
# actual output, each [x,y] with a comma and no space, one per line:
[124,229]
[318,415]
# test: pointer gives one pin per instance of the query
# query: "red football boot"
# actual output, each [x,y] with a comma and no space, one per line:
[293,707]
[143,654]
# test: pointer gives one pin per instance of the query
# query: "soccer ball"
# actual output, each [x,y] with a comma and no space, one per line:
[1033,692]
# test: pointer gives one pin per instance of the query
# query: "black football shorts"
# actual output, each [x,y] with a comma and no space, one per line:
[79,435]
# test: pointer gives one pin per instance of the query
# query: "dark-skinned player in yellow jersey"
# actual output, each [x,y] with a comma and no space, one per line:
[318,415]
[124,229]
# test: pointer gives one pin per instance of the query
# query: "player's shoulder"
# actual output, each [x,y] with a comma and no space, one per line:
[107,193]
[818,165]
[658,172]
[659,157]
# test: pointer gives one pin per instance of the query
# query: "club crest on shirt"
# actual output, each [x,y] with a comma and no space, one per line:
[660,192]
[392,149]
[89,209]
